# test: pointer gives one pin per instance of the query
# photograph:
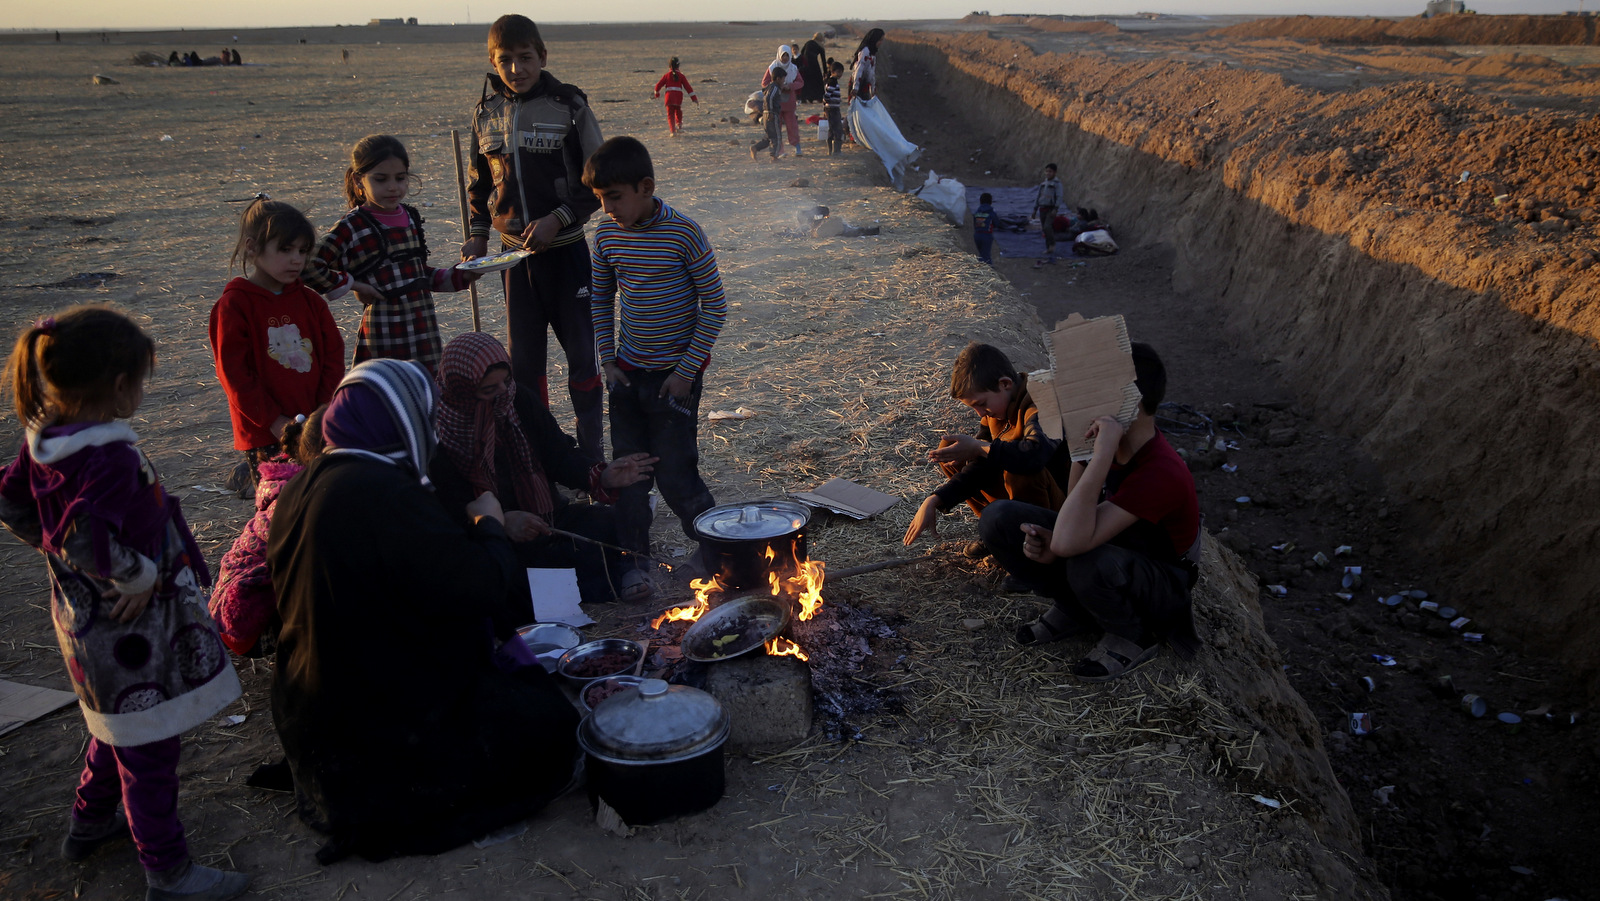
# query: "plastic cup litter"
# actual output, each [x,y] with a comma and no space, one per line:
[1459,622]
[1474,706]
[1509,718]
[1446,612]
[1360,723]
[1393,600]
[1474,637]
[1368,684]
[1430,606]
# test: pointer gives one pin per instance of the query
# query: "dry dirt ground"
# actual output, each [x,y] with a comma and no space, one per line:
[1473,799]
[987,773]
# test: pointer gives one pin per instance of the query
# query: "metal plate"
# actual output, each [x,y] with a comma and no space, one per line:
[770,615]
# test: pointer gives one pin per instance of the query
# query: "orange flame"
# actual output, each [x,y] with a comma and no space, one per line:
[808,582]
[702,602]
[783,647]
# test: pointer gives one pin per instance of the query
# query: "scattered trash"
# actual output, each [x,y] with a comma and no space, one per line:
[211,490]
[1445,612]
[609,820]
[739,413]
[1342,550]
[1509,718]
[1501,198]
[166,137]
[1278,591]
[1474,637]
[1474,705]
[1352,577]
[236,719]
[1229,467]
[1416,594]
[1320,559]
[1284,548]
[775,787]
[1242,500]
[1344,595]
[1382,659]
[1459,622]
[1465,176]
[1522,871]
[1381,795]
[1444,686]
[1360,723]
[1393,600]
[1269,802]
[974,623]
[1368,684]
[1430,606]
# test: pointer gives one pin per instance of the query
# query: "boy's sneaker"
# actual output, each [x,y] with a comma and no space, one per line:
[82,841]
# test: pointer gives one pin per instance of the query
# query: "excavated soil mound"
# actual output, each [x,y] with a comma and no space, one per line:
[1416,257]
[1466,29]
[1046,23]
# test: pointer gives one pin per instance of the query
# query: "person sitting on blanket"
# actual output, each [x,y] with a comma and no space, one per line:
[501,437]
[1008,457]
[1117,557]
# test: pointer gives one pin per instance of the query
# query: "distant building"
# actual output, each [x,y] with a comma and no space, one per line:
[1445,8]
[410,21]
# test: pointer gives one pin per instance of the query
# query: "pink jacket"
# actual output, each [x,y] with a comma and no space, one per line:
[243,601]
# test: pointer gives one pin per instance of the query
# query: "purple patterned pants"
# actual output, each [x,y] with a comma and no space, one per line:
[145,779]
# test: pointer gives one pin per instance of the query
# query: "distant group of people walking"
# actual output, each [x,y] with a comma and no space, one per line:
[228,57]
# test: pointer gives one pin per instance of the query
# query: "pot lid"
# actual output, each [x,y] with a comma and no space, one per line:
[654,722]
[762,519]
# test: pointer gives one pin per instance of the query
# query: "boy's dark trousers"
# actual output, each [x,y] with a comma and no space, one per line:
[642,420]
[772,123]
[550,291]
[835,131]
[1127,593]
[984,241]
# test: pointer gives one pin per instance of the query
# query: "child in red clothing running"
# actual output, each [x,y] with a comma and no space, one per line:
[675,85]
[378,251]
[278,352]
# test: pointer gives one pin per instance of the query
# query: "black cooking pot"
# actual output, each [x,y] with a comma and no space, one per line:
[735,539]
[655,751]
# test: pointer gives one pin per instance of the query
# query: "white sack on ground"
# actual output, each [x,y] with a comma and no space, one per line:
[874,130]
[947,195]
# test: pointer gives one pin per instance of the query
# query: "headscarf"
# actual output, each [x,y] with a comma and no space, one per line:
[471,429]
[790,70]
[385,409]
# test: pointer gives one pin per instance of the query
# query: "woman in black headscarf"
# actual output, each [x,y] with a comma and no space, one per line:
[810,62]
[406,732]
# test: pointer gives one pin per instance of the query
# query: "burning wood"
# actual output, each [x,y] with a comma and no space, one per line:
[783,647]
[703,589]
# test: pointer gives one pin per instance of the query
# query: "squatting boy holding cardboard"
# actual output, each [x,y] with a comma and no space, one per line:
[1116,557]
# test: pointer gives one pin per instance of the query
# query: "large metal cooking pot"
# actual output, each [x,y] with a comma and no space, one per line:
[655,751]
[735,538]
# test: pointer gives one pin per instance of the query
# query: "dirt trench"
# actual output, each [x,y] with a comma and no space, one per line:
[1459,351]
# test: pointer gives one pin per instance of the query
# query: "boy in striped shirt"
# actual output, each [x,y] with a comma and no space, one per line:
[656,265]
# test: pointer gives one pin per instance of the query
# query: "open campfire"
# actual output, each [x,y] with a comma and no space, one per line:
[795,581]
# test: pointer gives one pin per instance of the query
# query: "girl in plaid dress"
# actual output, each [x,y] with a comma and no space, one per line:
[377,251]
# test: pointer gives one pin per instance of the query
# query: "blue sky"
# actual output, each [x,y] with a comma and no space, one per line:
[282,13]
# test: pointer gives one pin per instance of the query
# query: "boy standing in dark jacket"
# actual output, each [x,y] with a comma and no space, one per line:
[530,137]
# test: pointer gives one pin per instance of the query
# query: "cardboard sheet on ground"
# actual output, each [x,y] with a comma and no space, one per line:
[1091,375]
[555,597]
[846,497]
[22,704]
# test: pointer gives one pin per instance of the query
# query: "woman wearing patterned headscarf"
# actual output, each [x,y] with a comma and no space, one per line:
[499,437]
[405,732]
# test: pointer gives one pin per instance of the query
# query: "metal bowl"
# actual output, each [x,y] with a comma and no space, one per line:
[576,657]
[770,616]
[606,682]
[548,641]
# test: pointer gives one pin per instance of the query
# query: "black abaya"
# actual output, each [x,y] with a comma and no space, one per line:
[403,736]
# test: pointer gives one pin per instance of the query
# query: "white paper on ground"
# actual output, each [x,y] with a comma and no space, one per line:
[555,597]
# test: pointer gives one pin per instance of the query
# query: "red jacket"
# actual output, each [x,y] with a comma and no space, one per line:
[276,355]
[676,85]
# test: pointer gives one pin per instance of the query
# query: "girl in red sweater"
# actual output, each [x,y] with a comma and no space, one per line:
[278,352]
[676,86]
